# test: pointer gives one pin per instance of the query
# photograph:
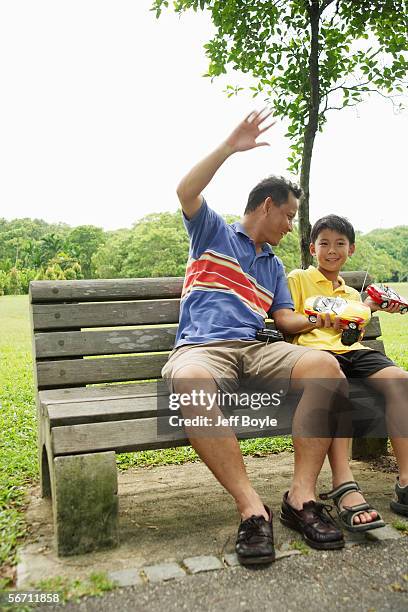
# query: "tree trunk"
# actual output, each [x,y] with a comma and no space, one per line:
[310,133]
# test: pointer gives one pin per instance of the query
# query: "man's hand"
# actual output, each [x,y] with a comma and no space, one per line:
[243,138]
[374,306]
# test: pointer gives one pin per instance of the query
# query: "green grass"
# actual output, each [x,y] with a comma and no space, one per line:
[18,456]
[73,589]
[401,526]
[18,428]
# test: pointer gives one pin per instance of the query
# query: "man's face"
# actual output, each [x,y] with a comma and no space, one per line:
[331,250]
[279,219]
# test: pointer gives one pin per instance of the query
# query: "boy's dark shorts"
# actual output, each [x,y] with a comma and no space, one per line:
[362,363]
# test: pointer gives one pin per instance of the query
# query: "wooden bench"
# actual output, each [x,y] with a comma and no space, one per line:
[86,335]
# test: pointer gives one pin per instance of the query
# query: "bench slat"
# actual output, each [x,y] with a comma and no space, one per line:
[104,410]
[377,345]
[142,433]
[87,371]
[74,316]
[121,341]
[129,288]
[128,436]
[121,436]
[67,372]
[106,392]
[101,393]
[138,407]
[105,290]
[70,344]
[355,279]
[373,329]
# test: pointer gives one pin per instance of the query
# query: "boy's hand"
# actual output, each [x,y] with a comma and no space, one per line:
[374,306]
[324,320]
[243,138]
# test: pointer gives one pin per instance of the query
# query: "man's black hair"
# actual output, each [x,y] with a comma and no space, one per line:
[341,225]
[276,187]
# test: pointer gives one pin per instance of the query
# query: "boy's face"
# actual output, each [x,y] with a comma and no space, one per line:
[331,250]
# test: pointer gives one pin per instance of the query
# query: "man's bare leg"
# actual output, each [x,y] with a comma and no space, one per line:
[221,453]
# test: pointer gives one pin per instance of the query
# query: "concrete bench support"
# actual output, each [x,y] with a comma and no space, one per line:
[85,503]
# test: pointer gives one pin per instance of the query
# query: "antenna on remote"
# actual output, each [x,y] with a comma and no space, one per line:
[362,287]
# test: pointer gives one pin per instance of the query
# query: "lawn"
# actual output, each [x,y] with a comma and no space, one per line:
[18,455]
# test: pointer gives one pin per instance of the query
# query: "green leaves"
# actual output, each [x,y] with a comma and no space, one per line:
[363,46]
[307,62]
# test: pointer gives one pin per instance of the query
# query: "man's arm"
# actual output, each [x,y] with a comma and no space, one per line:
[243,138]
[293,323]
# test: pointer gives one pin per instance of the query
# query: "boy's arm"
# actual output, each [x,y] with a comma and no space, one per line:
[243,138]
[374,306]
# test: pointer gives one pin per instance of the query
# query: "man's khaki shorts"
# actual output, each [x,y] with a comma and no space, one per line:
[238,362]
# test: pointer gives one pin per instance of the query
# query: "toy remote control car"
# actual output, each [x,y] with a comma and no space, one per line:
[385,296]
[354,315]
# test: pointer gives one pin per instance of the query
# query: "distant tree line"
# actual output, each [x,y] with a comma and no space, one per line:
[157,245]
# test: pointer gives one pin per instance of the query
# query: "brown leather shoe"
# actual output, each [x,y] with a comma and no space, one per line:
[314,522]
[255,540]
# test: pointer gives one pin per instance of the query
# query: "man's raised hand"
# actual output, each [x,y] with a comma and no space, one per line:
[243,138]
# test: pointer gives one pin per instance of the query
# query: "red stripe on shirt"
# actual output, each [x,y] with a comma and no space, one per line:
[227,274]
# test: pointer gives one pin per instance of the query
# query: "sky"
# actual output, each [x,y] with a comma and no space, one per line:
[104,108]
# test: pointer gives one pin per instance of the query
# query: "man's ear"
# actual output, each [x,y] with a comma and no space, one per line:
[352,248]
[267,205]
[312,249]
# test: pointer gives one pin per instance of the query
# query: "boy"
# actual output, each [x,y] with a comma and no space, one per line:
[332,242]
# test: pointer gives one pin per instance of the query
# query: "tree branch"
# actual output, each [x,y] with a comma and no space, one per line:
[351,87]
[389,98]
[340,107]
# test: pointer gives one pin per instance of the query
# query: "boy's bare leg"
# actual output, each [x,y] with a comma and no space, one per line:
[221,453]
[338,455]
[310,452]
[392,382]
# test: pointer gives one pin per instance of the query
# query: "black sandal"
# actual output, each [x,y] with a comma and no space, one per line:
[400,506]
[347,513]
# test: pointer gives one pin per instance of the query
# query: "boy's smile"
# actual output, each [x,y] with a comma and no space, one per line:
[331,250]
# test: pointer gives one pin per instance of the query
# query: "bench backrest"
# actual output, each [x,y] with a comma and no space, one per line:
[102,331]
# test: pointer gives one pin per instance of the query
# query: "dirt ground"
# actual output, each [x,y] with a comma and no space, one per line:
[172,512]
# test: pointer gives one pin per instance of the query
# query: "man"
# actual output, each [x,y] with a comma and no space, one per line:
[233,280]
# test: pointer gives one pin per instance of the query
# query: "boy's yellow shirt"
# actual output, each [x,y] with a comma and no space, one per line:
[308,283]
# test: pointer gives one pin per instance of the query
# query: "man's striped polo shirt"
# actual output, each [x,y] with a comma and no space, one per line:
[229,288]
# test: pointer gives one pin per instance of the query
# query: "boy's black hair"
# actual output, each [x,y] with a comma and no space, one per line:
[341,225]
[276,187]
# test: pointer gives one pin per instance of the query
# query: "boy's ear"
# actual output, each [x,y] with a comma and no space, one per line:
[352,248]
[312,249]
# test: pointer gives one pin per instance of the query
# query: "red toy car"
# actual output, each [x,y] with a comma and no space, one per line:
[385,296]
[354,316]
